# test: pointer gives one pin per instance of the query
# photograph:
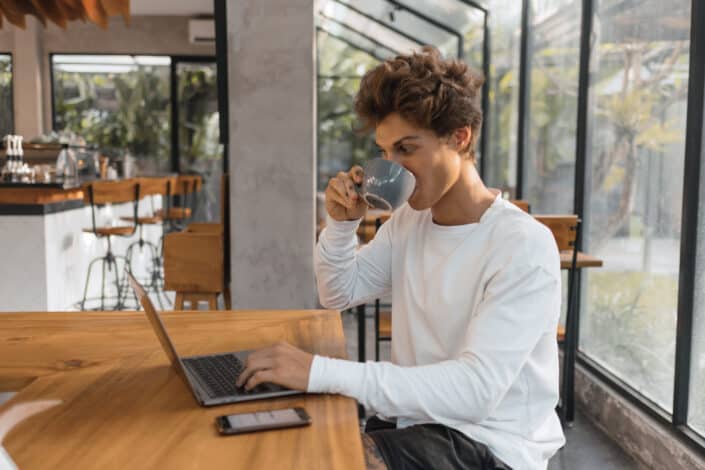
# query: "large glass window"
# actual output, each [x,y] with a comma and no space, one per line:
[198,135]
[638,96]
[6,116]
[554,59]
[696,406]
[503,81]
[118,102]
[340,67]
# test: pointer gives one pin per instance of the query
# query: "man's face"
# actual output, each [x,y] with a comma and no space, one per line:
[433,162]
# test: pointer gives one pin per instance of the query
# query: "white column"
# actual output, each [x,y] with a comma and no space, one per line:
[271,56]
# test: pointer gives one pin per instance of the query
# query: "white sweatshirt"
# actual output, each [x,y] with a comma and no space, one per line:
[474,315]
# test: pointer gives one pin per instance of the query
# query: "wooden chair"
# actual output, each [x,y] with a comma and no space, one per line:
[521,204]
[383,318]
[185,188]
[566,231]
[194,261]
[101,193]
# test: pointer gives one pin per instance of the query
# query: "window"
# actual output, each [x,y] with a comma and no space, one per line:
[339,145]
[554,58]
[117,102]
[198,134]
[633,218]
[7,124]
[500,164]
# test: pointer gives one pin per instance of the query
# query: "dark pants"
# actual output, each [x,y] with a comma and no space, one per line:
[430,446]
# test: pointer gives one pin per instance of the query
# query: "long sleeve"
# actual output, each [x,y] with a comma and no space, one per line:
[347,276]
[520,304]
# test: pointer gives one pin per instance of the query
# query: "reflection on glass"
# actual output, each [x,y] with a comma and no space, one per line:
[500,163]
[6,116]
[120,103]
[199,146]
[633,219]
[554,59]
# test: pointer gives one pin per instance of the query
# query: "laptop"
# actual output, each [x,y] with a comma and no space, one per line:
[210,377]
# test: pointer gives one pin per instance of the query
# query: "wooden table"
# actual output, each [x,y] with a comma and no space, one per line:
[583,261]
[124,407]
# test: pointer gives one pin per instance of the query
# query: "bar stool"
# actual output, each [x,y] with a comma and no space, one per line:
[102,193]
[149,187]
[175,217]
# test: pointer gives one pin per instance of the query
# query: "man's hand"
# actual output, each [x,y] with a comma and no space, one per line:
[281,364]
[342,199]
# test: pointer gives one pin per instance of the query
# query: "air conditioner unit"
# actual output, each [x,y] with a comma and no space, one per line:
[201,31]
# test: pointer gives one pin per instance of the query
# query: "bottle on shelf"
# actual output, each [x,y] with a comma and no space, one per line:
[66,164]
[6,164]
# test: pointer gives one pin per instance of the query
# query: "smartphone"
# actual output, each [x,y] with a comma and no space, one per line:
[262,421]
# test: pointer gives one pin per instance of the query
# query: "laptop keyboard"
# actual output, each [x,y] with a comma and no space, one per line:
[219,374]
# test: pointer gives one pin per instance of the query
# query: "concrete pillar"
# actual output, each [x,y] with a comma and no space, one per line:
[27,60]
[271,56]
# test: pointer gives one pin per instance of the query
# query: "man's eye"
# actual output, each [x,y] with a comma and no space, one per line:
[404,150]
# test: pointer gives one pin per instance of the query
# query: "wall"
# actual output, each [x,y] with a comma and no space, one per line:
[166,35]
[271,59]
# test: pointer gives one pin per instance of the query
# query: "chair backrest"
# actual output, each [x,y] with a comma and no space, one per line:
[153,186]
[112,192]
[193,262]
[563,227]
[186,184]
[370,224]
[521,204]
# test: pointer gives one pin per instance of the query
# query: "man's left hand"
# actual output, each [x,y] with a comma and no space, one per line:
[281,364]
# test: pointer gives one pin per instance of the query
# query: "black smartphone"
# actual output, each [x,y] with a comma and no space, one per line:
[262,421]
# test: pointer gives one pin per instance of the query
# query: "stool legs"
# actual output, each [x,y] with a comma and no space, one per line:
[109,261]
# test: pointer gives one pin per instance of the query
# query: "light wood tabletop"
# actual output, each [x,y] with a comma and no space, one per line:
[124,407]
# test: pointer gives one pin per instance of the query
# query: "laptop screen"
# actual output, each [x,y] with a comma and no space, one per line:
[156,323]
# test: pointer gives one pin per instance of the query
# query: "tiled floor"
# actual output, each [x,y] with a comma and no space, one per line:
[587,447]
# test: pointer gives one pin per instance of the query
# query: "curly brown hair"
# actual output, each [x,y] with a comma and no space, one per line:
[426,90]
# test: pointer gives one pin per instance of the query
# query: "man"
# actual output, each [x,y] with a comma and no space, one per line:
[475,285]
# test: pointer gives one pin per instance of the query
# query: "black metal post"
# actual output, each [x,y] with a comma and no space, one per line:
[582,169]
[361,332]
[695,127]
[174,99]
[221,64]
[524,87]
[486,61]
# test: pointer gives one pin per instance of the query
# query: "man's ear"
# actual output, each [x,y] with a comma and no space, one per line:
[461,138]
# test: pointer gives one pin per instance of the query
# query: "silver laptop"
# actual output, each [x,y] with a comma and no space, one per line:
[211,377]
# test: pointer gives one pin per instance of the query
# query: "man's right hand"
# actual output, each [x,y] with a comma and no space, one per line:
[342,200]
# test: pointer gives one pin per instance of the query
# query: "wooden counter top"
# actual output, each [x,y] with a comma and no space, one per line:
[124,407]
[26,195]
[30,195]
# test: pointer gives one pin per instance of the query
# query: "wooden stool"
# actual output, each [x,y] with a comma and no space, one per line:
[149,187]
[110,192]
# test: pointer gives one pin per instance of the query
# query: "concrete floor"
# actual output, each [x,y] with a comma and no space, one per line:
[587,447]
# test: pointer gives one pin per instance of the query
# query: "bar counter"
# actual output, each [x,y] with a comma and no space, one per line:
[44,251]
